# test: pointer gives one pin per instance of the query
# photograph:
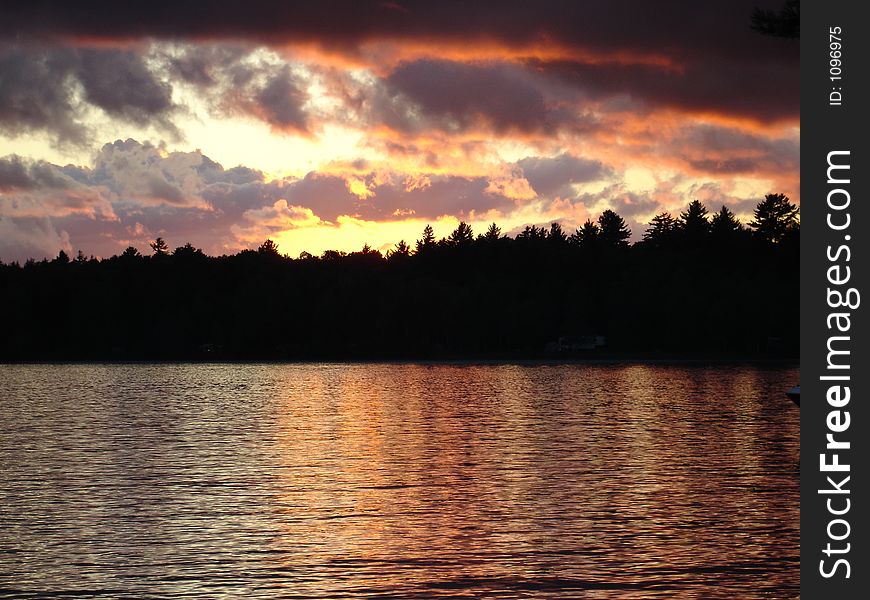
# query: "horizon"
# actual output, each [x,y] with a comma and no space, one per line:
[226,128]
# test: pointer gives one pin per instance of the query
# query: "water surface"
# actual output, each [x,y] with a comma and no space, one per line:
[398,481]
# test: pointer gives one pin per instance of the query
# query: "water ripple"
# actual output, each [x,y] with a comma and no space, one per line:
[398,481]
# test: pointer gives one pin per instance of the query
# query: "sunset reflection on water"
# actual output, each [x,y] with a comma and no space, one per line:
[399,481]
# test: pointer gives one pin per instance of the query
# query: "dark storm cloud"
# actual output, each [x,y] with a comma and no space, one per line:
[272,93]
[17,173]
[549,176]
[718,26]
[38,90]
[722,150]
[35,95]
[759,90]
[199,64]
[280,101]
[716,61]
[725,166]
[444,195]
[456,95]
[119,82]
[326,195]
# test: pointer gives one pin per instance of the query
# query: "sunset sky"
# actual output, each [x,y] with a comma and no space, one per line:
[327,125]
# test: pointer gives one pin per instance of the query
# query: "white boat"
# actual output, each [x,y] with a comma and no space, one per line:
[795,394]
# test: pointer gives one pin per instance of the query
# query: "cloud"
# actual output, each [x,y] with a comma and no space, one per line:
[454,96]
[38,189]
[756,89]
[280,102]
[28,237]
[237,80]
[35,94]
[387,195]
[724,150]
[452,61]
[270,93]
[144,173]
[17,173]
[40,85]
[554,175]
[716,27]
[200,64]
[263,223]
[119,82]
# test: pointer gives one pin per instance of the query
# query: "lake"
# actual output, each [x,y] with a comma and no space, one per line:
[398,481]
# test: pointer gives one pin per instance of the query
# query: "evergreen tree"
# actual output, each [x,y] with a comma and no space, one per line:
[268,247]
[775,216]
[693,223]
[461,236]
[532,232]
[493,233]
[724,223]
[556,234]
[159,247]
[614,231]
[402,250]
[786,23]
[661,229]
[587,235]
[428,240]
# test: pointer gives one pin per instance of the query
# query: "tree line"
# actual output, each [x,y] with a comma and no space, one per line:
[696,285]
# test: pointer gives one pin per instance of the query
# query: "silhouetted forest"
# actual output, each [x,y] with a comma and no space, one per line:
[696,285]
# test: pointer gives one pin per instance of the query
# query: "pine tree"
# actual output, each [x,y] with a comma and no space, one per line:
[724,223]
[268,247]
[159,247]
[428,240]
[493,233]
[461,236]
[661,229]
[614,231]
[587,235]
[693,223]
[556,234]
[775,216]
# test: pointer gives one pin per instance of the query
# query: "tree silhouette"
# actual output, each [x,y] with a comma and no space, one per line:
[775,216]
[187,251]
[130,253]
[693,224]
[401,251]
[62,258]
[786,23]
[268,247]
[614,231]
[557,235]
[493,233]
[724,223]
[428,239]
[532,233]
[467,298]
[587,235]
[661,229]
[461,236]
[328,255]
[159,247]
